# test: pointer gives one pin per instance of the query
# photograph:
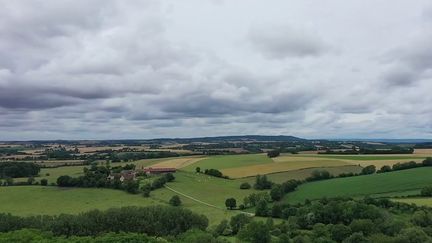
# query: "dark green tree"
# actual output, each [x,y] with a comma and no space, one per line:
[231,203]
[175,201]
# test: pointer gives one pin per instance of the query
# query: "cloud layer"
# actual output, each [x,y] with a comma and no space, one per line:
[140,69]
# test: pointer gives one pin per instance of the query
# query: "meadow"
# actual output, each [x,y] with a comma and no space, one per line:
[387,184]
[36,200]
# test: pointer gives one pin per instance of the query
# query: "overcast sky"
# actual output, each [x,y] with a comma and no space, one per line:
[105,69]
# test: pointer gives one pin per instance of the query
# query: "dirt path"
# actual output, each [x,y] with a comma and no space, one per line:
[201,202]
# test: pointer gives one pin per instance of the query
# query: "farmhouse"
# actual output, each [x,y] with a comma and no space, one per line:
[151,170]
[124,175]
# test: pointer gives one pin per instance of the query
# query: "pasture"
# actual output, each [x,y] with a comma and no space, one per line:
[386,184]
[36,200]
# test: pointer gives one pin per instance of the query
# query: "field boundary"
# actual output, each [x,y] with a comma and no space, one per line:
[307,168]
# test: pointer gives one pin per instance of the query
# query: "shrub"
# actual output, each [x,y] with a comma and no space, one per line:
[44,182]
[245,185]
[175,201]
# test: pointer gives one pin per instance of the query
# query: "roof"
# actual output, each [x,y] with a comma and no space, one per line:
[159,169]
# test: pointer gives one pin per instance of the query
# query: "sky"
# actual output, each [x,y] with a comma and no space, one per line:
[113,69]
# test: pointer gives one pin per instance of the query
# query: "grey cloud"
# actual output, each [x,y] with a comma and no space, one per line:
[279,42]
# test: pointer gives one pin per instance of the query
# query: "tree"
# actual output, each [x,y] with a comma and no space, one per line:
[146,189]
[273,153]
[169,177]
[261,208]
[131,186]
[175,201]
[44,182]
[370,169]
[245,185]
[239,221]
[384,169]
[276,193]
[198,169]
[356,238]
[262,183]
[427,161]
[221,228]
[339,232]
[64,181]
[230,203]
[30,180]
[255,232]
[426,191]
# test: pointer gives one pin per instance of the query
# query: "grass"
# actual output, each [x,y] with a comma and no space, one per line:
[36,200]
[230,161]
[387,183]
[421,201]
[365,157]
[302,174]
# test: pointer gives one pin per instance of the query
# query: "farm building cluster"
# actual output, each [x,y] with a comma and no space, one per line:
[132,174]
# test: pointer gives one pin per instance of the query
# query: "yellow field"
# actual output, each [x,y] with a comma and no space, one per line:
[280,166]
[427,152]
[178,162]
[426,201]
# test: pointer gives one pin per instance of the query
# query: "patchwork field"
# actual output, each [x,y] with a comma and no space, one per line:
[396,183]
[230,161]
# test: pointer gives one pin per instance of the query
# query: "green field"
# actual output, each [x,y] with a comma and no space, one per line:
[393,182]
[364,157]
[304,173]
[421,201]
[35,200]
[229,161]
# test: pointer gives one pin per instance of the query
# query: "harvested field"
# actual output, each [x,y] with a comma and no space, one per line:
[230,161]
[426,152]
[178,162]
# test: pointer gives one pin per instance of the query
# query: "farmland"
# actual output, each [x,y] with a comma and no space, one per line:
[418,201]
[230,161]
[36,200]
[373,185]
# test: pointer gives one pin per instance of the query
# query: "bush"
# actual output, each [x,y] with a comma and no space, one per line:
[370,169]
[273,153]
[245,185]
[175,201]
[44,182]
[231,203]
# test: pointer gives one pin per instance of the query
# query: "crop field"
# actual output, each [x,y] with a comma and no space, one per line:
[421,201]
[230,161]
[268,168]
[178,162]
[427,152]
[302,174]
[397,182]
